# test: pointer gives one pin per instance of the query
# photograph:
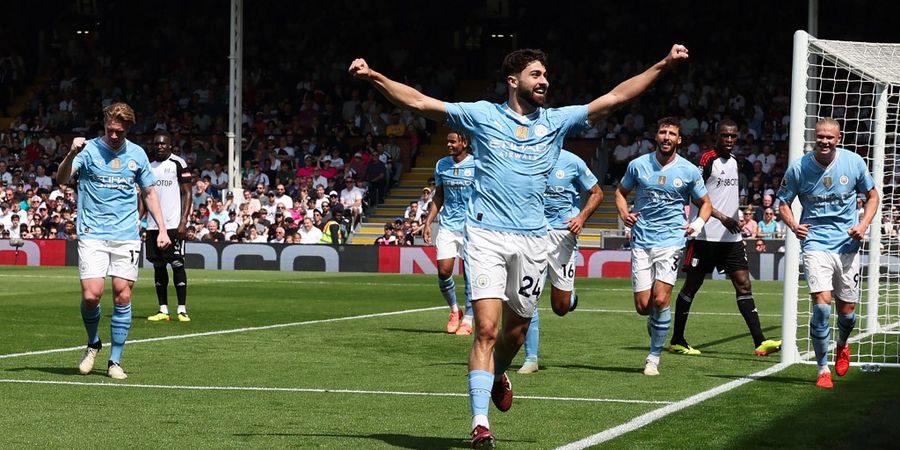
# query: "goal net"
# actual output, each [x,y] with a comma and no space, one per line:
[857,83]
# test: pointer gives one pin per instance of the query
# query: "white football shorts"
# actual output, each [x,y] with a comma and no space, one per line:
[563,249]
[508,266]
[835,272]
[654,264]
[449,244]
[100,258]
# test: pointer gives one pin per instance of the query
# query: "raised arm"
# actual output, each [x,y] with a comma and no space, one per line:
[398,93]
[626,91]
[64,172]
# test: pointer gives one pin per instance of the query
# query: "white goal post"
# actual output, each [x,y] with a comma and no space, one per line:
[857,83]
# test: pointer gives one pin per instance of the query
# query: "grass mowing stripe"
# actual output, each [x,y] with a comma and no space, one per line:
[231,331]
[326,391]
[631,311]
[652,416]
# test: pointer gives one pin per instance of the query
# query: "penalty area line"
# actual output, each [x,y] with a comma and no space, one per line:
[232,331]
[321,391]
[652,416]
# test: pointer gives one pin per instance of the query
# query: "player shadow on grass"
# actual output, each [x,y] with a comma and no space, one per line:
[51,370]
[415,330]
[394,440]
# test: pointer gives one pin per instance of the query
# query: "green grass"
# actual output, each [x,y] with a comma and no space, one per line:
[340,380]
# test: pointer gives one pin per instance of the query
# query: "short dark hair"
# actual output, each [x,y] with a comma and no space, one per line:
[669,121]
[727,123]
[517,60]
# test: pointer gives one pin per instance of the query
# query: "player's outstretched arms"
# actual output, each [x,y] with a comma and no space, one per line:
[398,93]
[626,91]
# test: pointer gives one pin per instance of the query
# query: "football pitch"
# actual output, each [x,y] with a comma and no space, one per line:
[318,360]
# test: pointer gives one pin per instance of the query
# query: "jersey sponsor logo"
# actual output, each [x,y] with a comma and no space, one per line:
[515,147]
[164,183]
[677,182]
[457,184]
[560,174]
[827,182]
[132,165]
[521,132]
[115,164]
[540,131]
[726,182]
[844,180]
[112,182]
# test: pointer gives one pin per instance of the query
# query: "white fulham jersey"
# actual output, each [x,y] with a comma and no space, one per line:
[170,175]
[721,177]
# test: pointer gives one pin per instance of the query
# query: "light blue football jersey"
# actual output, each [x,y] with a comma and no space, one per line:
[513,156]
[458,181]
[562,199]
[828,196]
[661,192]
[107,197]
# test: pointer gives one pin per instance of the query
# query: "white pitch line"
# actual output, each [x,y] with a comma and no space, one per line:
[652,416]
[657,414]
[326,391]
[231,331]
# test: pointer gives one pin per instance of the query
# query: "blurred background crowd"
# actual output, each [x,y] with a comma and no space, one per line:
[323,149]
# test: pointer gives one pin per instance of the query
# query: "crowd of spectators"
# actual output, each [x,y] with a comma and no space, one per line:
[310,130]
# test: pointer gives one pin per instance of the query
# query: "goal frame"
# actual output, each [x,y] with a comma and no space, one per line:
[802,133]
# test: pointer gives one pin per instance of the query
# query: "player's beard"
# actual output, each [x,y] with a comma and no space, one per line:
[528,98]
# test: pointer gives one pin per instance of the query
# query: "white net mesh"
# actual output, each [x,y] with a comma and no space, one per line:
[859,84]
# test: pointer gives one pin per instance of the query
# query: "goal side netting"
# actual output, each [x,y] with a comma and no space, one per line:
[857,83]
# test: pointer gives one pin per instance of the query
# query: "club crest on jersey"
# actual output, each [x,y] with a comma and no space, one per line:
[521,132]
[540,131]
[132,165]
[827,182]
[844,180]
[560,174]
[661,180]
[115,164]
[677,182]
[467,172]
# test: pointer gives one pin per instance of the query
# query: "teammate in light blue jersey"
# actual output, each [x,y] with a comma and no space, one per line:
[515,145]
[454,178]
[664,184]
[108,169]
[562,208]
[828,181]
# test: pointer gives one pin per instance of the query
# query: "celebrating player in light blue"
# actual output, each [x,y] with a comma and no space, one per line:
[515,145]
[562,207]
[827,181]
[454,178]
[664,183]
[108,168]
